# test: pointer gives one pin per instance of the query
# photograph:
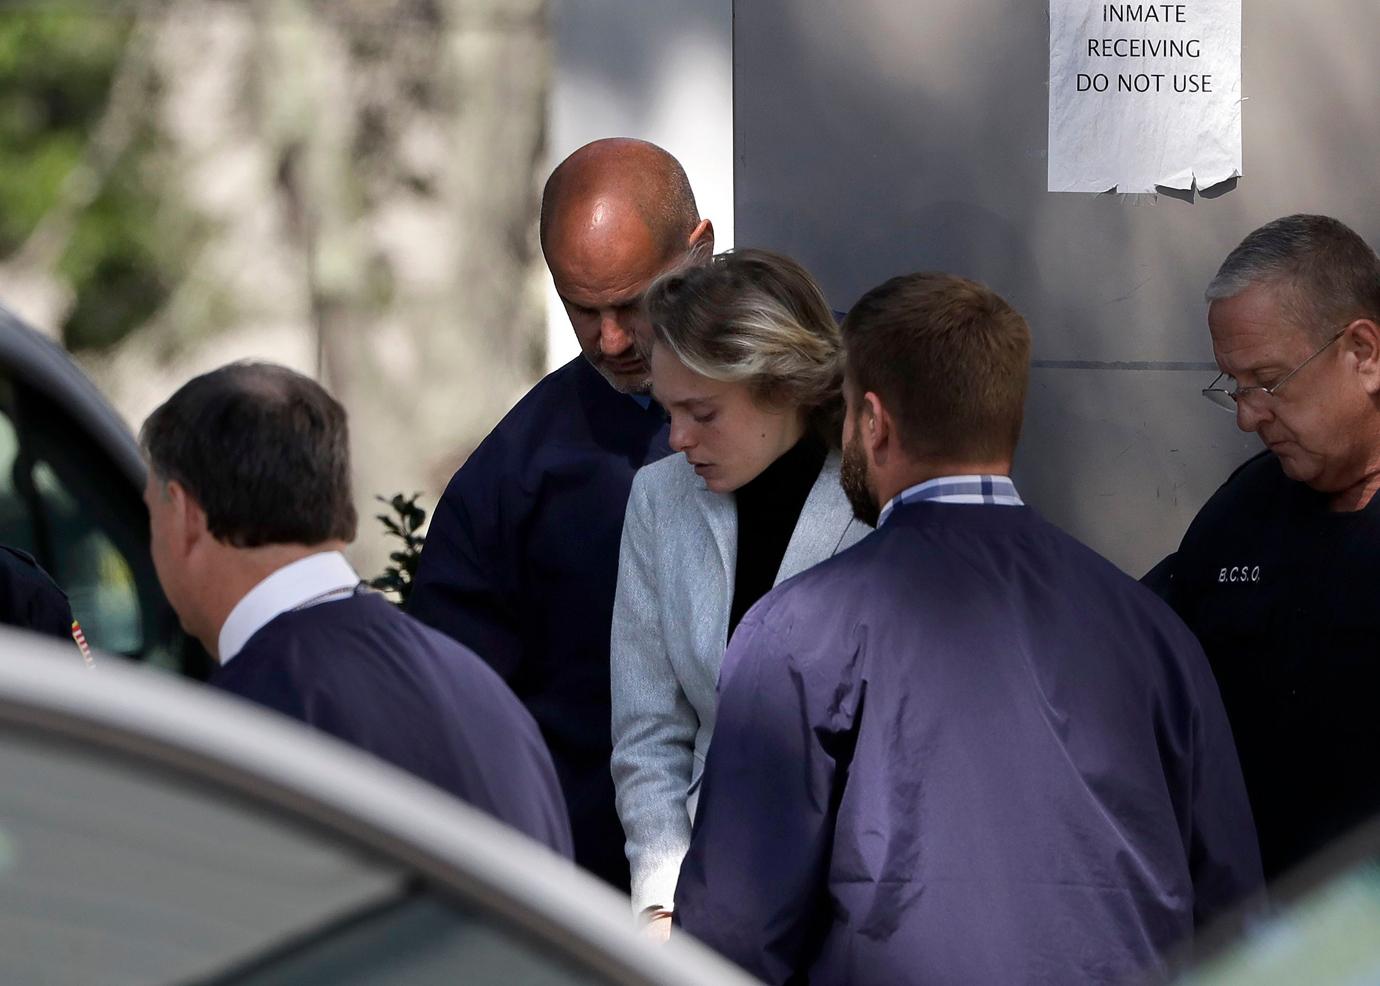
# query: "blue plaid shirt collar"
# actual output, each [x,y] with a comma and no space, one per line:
[997,491]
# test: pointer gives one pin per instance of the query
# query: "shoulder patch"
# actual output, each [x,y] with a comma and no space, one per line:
[79,639]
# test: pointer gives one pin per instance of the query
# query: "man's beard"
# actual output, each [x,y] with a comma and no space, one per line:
[853,479]
[640,383]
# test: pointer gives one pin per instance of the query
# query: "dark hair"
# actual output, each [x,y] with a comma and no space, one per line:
[948,357]
[1329,274]
[264,451]
[757,318]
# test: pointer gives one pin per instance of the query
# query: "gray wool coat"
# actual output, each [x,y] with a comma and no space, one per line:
[670,629]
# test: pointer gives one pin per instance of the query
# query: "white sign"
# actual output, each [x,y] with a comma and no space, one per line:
[1143,95]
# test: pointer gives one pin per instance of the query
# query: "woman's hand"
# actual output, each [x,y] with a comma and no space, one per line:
[657,926]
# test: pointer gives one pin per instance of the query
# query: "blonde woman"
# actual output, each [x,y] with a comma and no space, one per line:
[746,362]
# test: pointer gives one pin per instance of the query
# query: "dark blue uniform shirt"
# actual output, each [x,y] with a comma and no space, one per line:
[521,563]
[29,598]
[1281,591]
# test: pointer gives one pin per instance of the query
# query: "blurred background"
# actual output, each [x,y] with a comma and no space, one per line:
[348,187]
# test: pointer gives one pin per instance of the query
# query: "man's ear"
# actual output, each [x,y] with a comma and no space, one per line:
[1363,342]
[702,239]
[189,519]
[877,434]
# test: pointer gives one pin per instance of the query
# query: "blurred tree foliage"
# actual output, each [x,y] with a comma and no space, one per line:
[347,187]
[57,67]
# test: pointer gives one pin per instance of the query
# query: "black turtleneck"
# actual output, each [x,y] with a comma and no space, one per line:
[768,508]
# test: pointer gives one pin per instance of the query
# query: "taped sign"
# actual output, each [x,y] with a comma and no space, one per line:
[1143,95]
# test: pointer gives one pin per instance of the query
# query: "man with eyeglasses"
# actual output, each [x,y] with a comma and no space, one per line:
[1279,574]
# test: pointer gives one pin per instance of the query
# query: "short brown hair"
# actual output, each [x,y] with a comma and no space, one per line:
[948,357]
[1330,275]
[758,318]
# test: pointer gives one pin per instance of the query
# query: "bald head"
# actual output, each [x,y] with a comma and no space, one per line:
[622,174]
[614,215]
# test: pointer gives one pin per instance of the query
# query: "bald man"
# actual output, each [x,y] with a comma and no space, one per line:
[522,557]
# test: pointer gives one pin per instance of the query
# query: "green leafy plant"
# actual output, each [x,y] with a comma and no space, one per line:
[407,518]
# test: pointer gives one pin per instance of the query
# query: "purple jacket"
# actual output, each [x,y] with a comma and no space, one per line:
[967,750]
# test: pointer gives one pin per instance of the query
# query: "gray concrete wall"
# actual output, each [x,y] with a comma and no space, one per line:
[875,137]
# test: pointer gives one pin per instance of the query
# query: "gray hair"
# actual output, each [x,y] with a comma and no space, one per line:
[1327,273]
[757,318]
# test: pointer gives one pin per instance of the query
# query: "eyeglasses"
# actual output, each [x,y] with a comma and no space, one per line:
[1227,397]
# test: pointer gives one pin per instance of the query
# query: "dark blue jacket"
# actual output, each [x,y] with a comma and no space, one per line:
[362,671]
[29,598]
[966,750]
[520,565]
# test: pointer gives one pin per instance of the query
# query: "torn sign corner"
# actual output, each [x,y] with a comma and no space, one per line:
[1211,179]
[1182,180]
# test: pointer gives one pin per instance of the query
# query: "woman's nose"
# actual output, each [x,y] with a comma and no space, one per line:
[680,438]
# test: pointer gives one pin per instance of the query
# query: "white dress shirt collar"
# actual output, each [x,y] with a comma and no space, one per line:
[316,578]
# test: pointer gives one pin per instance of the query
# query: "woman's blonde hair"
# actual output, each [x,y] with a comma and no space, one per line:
[758,318]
